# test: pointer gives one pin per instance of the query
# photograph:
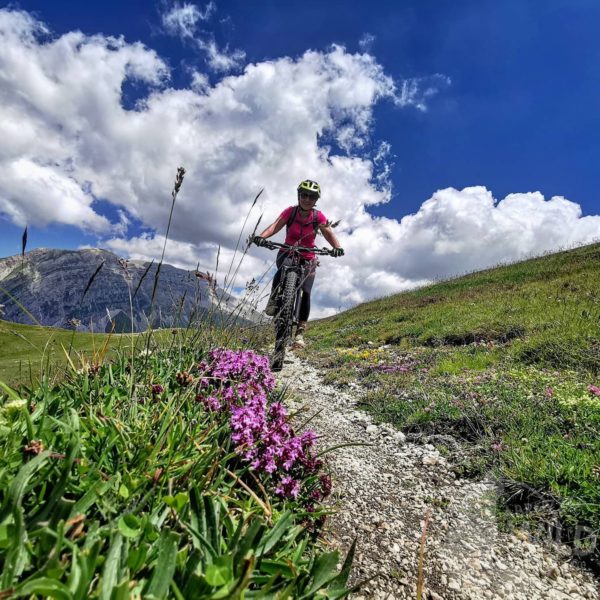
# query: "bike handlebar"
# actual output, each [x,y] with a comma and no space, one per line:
[275,245]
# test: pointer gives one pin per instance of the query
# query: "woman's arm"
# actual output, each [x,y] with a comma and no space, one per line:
[273,228]
[329,235]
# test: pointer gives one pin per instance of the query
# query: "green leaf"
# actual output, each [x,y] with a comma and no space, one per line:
[137,557]
[176,502]
[9,391]
[271,539]
[76,573]
[130,526]
[45,586]
[49,506]
[235,536]
[212,509]
[197,517]
[94,493]
[5,537]
[279,567]
[323,571]
[340,580]
[19,483]
[89,564]
[250,540]
[165,566]
[220,572]
[299,551]
[124,491]
[236,589]
[200,541]
[122,591]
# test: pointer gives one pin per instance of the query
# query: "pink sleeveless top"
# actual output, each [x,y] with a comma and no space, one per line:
[301,232]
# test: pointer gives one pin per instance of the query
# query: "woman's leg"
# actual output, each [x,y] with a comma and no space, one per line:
[307,283]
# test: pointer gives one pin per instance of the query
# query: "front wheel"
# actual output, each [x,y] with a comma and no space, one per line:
[284,319]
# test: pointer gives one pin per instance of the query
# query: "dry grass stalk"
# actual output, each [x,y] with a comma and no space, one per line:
[420,575]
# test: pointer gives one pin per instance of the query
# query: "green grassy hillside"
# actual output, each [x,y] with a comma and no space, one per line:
[507,360]
[548,309]
[27,351]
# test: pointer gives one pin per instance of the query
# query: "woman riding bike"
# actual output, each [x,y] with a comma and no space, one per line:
[303,222]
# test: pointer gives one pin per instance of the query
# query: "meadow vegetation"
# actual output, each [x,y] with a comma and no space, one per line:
[156,465]
[164,471]
[506,360]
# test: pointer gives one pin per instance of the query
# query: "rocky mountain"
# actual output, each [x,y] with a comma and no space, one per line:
[50,284]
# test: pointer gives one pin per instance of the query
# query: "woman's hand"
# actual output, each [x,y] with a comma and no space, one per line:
[258,240]
[337,252]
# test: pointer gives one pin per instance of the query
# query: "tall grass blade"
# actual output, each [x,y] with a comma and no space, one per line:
[112,566]
[270,540]
[91,280]
[156,280]
[340,581]
[45,587]
[23,246]
[174,192]
[323,571]
[237,245]
[256,226]
[19,484]
[137,287]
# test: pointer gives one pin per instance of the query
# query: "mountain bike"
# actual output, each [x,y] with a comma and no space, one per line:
[289,296]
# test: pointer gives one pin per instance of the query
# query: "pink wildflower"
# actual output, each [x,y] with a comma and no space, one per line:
[288,487]
[594,389]
[326,486]
[238,383]
[211,404]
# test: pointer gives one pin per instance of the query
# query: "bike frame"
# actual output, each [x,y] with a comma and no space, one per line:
[288,316]
[300,270]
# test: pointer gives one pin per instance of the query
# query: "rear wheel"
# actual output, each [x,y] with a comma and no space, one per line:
[284,319]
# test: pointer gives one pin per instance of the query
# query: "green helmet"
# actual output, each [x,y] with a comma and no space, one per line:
[310,187]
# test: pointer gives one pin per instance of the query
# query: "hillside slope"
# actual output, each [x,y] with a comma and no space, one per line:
[548,308]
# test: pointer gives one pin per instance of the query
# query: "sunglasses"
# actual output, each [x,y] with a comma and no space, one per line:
[310,197]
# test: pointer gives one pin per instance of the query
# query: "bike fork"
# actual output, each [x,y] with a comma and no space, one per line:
[297,306]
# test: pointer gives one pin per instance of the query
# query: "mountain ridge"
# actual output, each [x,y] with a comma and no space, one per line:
[51,285]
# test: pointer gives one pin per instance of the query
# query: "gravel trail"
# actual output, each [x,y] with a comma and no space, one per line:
[382,493]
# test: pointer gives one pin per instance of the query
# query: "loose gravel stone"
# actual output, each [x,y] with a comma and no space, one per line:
[386,487]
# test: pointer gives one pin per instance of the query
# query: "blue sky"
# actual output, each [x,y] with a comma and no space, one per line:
[504,97]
